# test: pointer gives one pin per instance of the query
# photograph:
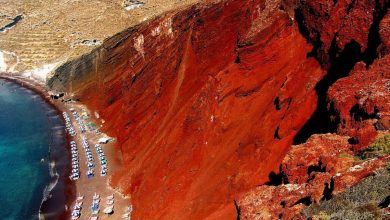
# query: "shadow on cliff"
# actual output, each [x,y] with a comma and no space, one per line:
[341,62]
[325,119]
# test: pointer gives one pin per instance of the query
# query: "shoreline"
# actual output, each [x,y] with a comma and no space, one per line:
[84,186]
[59,183]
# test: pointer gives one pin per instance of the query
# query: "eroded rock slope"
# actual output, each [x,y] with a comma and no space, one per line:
[207,101]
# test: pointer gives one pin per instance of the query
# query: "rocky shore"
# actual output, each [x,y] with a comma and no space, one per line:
[60,192]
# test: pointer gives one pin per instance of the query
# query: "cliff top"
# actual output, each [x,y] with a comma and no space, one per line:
[36,36]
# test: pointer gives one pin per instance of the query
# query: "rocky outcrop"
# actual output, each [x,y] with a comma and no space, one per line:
[353,48]
[362,101]
[312,172]
[332,26]
[352,205]
[384,31]
[339,43]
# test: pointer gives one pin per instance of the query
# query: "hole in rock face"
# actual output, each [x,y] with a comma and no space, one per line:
[276,134]
[277,179]
[274,179]
[238,210]
[358,114]
[305,201]
[238,59]
[328,190]
[277,103]
[353,141]
[316,168]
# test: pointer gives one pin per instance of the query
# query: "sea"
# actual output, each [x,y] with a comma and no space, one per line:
[33,156]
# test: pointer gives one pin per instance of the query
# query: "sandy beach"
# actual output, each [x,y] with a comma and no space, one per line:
[98,184]
[84,186]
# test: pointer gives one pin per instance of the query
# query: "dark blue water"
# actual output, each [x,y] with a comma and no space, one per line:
[24,141]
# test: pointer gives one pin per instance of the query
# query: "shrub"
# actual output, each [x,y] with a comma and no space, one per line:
[324,216]
[379,147]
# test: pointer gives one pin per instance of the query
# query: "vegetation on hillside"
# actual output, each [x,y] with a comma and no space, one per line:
[365,200]
[380,147]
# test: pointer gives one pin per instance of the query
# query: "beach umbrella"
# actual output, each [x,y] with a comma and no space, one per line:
[108,210]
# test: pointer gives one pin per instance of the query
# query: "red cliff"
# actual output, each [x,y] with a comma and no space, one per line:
[206,101]
[353,47]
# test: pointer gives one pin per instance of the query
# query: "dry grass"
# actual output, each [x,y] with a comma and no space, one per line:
[51,29]
[359,202]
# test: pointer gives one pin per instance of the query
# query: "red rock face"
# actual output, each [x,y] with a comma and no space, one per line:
[212,130]
[206,101]
[362,101]
[331,25]
[322,167]
[325,164]
[384,30]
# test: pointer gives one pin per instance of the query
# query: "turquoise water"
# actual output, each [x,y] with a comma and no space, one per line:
[24,141]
